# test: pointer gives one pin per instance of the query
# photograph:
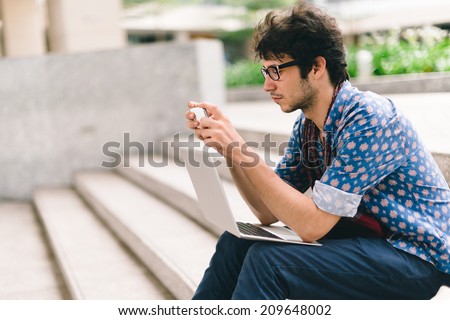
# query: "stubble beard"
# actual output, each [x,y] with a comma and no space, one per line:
[308,97]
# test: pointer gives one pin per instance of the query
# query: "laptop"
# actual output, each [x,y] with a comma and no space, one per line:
[202,165]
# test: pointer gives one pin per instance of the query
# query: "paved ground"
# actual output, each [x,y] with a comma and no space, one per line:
[429,112]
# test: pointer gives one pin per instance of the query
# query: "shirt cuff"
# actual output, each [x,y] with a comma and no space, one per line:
[335,201]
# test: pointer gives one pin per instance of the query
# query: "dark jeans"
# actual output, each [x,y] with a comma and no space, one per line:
[355,268]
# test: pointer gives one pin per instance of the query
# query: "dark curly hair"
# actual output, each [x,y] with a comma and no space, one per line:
[304,32]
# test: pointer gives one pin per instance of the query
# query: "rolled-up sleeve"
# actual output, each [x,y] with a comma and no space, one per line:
[335,201]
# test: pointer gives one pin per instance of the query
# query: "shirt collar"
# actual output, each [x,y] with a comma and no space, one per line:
[335,115]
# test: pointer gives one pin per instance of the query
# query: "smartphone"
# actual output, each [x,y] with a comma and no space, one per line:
[199,113]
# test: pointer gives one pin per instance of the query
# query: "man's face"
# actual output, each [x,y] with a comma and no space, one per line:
[290,92]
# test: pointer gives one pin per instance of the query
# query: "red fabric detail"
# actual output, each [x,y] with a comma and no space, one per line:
[372,224]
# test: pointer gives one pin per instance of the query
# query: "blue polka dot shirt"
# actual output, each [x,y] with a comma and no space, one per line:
[381,168]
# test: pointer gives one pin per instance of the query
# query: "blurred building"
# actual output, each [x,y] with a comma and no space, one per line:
[154,22]
[362,16]
[35,27]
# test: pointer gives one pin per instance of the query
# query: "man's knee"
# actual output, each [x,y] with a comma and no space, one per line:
[229,243]
[262,254]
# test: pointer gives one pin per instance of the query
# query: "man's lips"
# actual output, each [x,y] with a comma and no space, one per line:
[275,97]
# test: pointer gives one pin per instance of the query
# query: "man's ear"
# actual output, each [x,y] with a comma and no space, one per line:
[319,67]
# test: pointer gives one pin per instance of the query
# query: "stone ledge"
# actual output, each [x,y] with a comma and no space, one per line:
[443,161]
[404,83]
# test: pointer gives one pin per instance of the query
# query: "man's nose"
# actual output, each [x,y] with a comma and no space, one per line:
[269,84]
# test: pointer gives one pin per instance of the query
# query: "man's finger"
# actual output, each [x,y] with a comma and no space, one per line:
[192,124]
[212,110]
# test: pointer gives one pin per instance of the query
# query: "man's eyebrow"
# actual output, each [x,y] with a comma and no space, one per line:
[271,65]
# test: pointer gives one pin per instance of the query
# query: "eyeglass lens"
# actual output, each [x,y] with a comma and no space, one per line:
[272,72]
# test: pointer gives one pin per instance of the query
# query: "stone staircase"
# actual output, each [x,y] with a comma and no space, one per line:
[128,233]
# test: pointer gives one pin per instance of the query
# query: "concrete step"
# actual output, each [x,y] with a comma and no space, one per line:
[94,263]
[173,247]
[442,294]
[28,269]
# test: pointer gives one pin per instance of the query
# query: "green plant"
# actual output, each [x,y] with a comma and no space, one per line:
[129,3]
[351,61]
[244,73]
[425,49]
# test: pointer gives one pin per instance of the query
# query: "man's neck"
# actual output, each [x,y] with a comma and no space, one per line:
[319,113]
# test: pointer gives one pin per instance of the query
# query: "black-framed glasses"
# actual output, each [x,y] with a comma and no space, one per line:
[274,71]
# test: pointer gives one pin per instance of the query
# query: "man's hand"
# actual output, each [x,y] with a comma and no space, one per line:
[216,131]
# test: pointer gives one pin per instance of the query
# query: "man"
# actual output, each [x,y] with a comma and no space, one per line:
[380,206]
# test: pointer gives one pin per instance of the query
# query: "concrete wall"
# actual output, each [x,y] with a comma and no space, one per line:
[406,83]
[58,111]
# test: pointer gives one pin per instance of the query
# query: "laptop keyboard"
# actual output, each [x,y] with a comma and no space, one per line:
[252,230]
